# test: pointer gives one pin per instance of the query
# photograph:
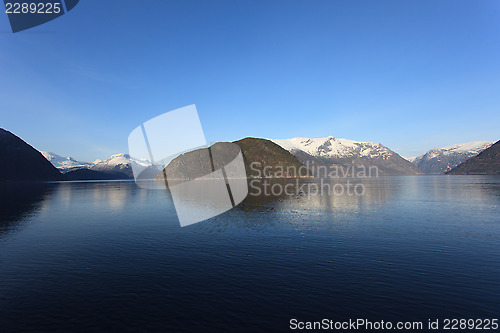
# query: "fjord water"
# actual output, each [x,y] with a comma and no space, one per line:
[109,256]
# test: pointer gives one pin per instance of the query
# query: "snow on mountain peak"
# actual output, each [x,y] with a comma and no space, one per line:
[64,163]
[68,163]
[440,160]
[410,159]
[332,147]
[121,159]
[468,147]
[115,160]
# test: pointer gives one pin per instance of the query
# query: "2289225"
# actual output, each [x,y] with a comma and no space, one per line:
[470,324]
[32,8]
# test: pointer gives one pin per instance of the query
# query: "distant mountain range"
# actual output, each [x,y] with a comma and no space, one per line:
[20,161]
[344,153]
[118,166]
[64,164]
[313,151]
[485,163]
[441,160]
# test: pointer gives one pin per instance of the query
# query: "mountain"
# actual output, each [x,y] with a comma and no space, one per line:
[119,165]
[331,151]
[486,162]
[268,159]
[261,158]
[441,160]
[65,164]
[20,161]
[411,159]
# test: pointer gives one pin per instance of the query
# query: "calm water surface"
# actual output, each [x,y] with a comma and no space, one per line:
[108,256]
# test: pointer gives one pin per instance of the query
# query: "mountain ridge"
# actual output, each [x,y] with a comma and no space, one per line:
[331,151]
[326,151]
[117,166]
[441,160]
[262,159]
[64,164]
[265,153]
[486,162]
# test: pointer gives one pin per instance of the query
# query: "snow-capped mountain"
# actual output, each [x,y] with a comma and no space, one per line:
[119,160]
[410,159]
[331,147]
[118,165]
[336,151]
[64,164]
[441,160]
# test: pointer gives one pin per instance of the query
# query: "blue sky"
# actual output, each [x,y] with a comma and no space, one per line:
[412,75]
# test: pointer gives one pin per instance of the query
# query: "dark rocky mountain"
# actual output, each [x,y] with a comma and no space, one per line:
[486,163]
[20,161]
[269,160]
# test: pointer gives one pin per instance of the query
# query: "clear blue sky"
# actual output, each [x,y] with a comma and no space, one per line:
[412,74]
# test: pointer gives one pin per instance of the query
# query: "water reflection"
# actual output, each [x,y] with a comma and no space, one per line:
[19,201]
[417,199]
[319,193]
[111,195]
[302,204]
[333,193]
[23,202]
